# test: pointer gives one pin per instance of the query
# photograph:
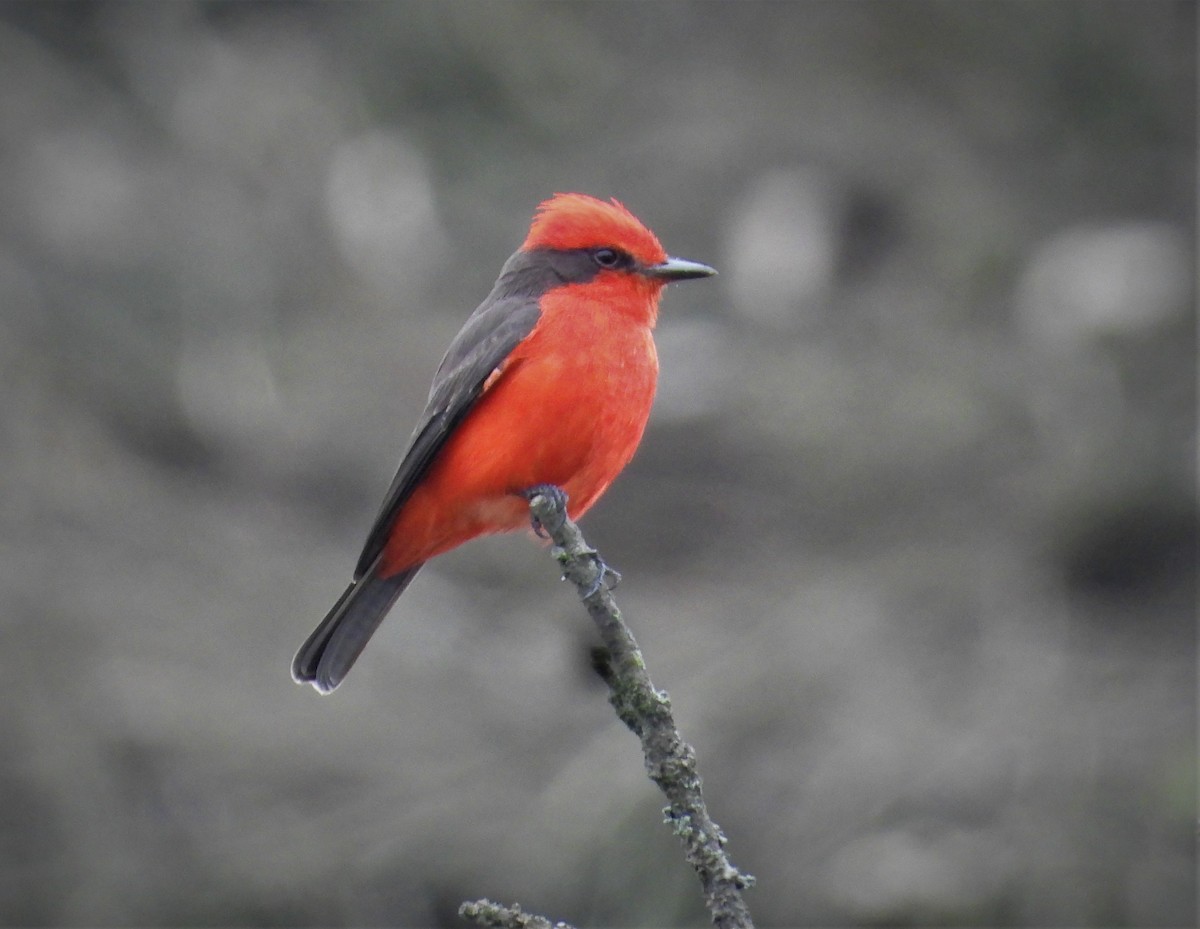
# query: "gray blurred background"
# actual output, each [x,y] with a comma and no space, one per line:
[910,540]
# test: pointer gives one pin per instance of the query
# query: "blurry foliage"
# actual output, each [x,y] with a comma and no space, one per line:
[911,538]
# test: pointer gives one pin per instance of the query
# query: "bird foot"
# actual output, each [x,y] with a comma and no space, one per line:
[555,494]
[606,576]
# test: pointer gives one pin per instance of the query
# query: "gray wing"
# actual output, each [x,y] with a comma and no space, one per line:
[499,324]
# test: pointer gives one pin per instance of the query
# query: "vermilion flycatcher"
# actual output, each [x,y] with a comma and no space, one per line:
[547,386]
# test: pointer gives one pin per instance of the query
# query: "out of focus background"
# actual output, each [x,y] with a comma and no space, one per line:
[910,540]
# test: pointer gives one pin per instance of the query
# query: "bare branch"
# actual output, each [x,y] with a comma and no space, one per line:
[670,761]
[496,916]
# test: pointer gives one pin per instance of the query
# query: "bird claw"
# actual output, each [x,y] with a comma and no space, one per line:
[552,492]
[606,577]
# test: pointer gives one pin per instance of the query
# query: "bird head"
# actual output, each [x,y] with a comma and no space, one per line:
[616,240]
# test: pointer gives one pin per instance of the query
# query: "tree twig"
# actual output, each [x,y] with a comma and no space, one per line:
[496,916]
[670,762]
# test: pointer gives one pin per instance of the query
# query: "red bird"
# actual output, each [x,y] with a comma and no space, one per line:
[547,387]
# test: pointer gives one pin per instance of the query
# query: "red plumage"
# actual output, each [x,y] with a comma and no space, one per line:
[550,382]
[570,221]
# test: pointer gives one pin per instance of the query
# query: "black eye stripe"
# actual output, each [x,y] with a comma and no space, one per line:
[532,273]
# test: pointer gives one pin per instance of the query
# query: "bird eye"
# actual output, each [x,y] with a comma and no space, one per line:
[607,257]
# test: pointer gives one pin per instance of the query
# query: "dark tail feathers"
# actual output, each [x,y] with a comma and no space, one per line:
[328,654]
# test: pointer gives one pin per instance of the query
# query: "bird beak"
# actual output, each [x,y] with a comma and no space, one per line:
[678,269]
